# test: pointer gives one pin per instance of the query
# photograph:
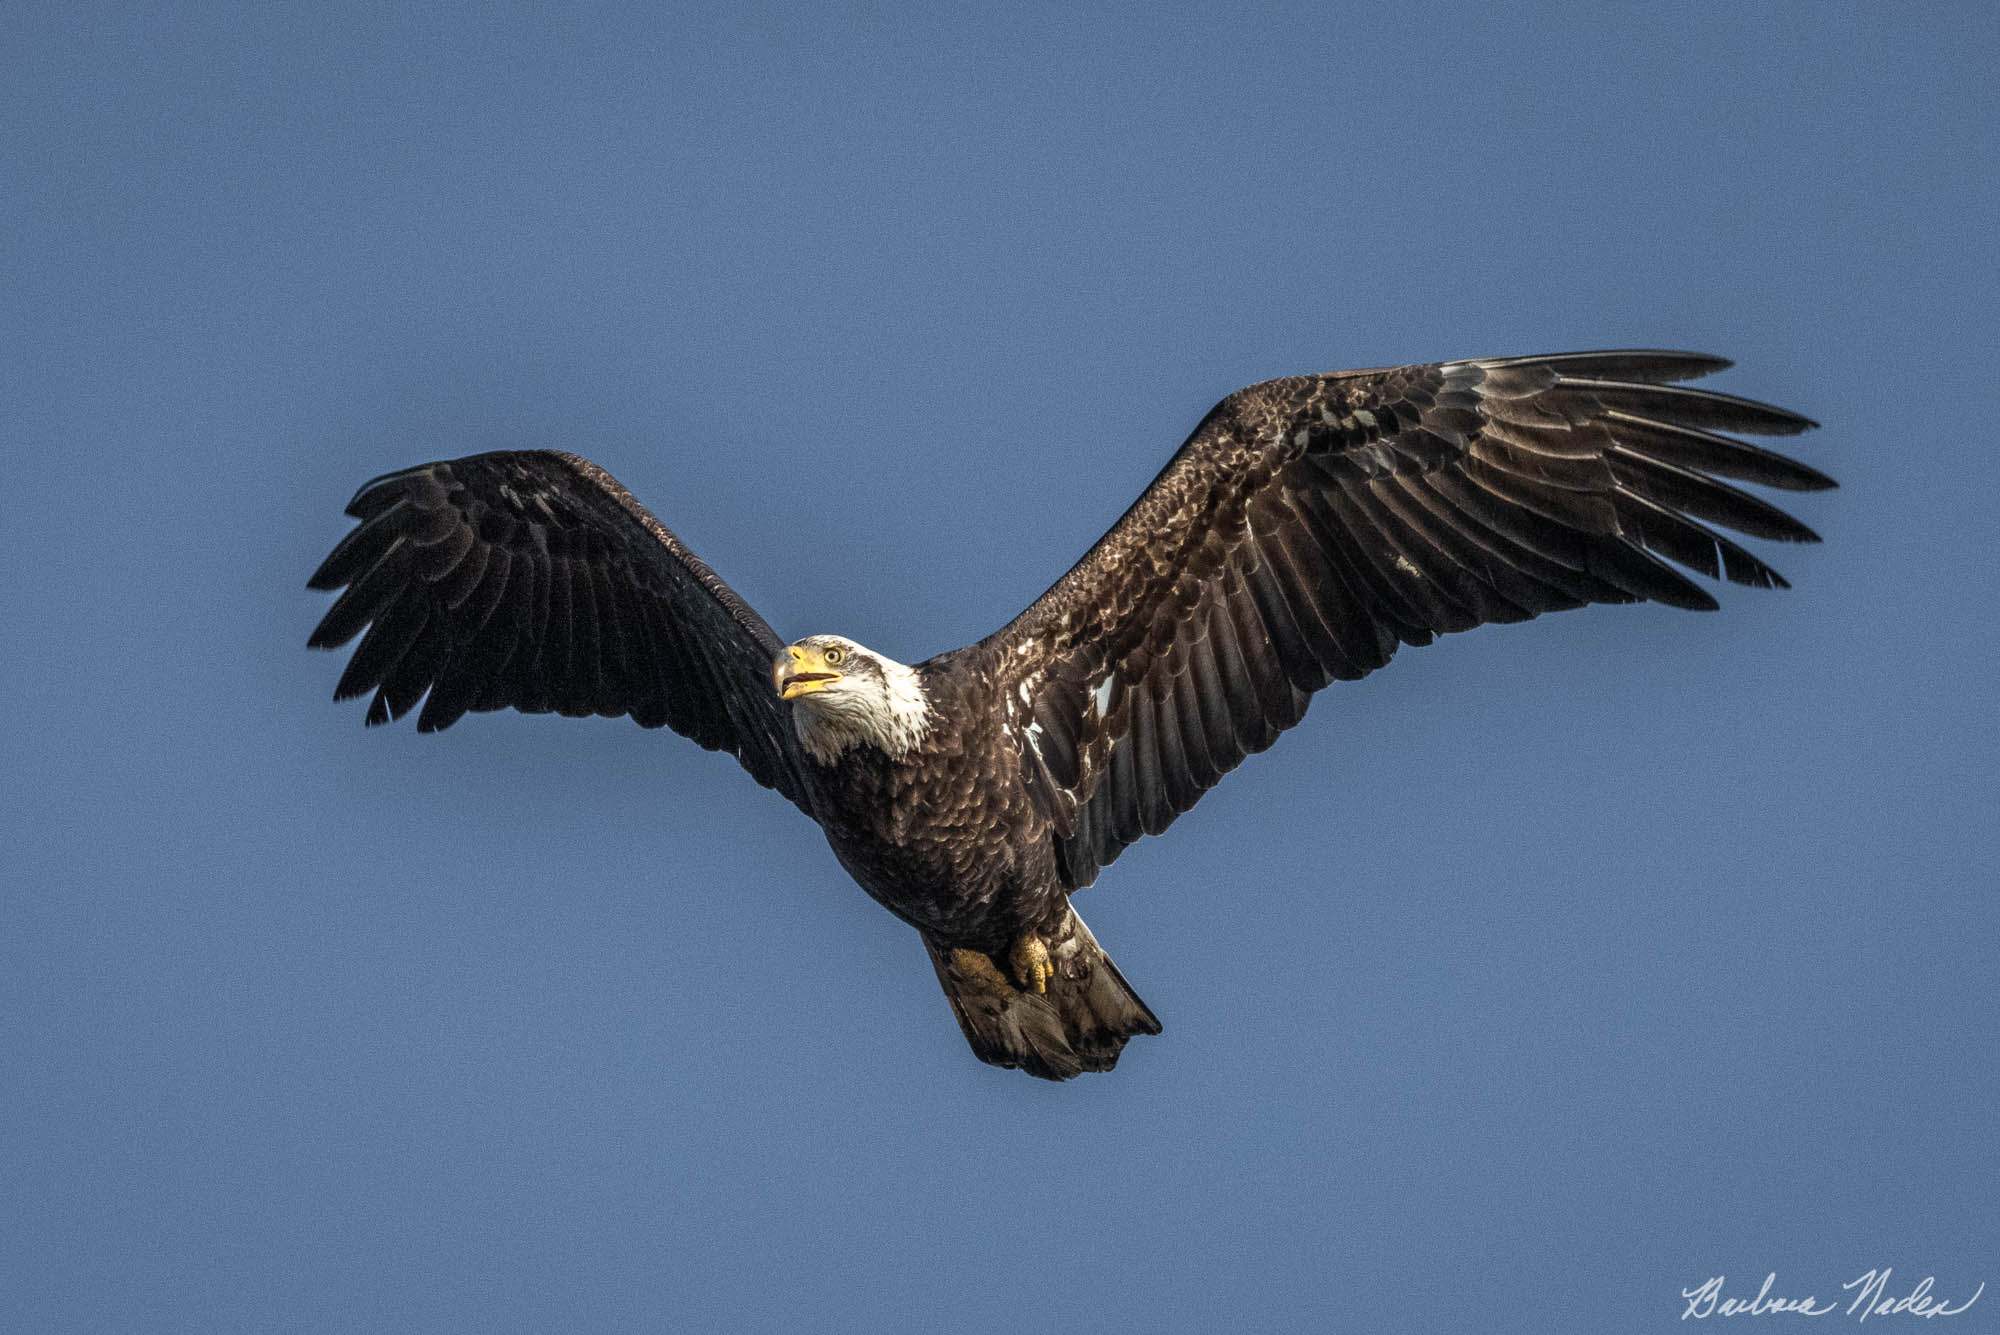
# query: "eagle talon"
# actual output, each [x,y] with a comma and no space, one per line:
[1030,958]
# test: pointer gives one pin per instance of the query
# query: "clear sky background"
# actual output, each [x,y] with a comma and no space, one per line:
[1536,978]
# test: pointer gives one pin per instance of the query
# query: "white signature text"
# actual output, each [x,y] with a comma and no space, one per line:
[1871,1297]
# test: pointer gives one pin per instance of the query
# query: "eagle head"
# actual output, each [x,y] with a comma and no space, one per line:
[844,694]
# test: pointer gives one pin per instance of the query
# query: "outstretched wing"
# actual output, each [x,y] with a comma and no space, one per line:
[1311,525]
[534,580]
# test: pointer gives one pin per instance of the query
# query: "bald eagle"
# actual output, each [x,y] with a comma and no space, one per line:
[1307,528]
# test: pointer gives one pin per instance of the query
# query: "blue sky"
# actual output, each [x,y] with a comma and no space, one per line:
[1535,979]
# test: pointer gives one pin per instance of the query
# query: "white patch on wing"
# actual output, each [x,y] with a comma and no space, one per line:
[1403,564]
[1100,695]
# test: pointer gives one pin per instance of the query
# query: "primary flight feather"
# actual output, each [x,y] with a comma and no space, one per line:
[1307,528]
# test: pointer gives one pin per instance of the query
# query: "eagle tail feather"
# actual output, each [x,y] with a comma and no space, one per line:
[1081,1023]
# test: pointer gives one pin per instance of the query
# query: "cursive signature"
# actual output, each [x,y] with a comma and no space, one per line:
[1871,1298]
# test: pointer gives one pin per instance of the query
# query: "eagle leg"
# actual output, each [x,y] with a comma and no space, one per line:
[1030,958]
[979,969]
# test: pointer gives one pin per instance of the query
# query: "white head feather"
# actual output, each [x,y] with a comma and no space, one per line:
[876,701]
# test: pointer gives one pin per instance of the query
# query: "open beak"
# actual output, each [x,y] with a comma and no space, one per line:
[801,671]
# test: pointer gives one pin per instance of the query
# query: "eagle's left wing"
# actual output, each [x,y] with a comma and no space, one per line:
[1311,525]
[533,580]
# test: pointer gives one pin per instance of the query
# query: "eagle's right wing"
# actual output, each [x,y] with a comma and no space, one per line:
[534,580]
[1311,525]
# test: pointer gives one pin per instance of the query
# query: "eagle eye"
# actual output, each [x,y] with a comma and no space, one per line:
[836,656]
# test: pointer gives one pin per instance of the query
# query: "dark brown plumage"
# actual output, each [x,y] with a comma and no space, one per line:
[1311,525]
[534,581]
[1306,529]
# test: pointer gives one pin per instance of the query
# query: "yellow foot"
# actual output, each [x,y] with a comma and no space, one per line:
[976,967]
[1030,959]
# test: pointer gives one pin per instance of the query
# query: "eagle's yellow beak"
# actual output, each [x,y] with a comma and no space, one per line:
[801,671]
